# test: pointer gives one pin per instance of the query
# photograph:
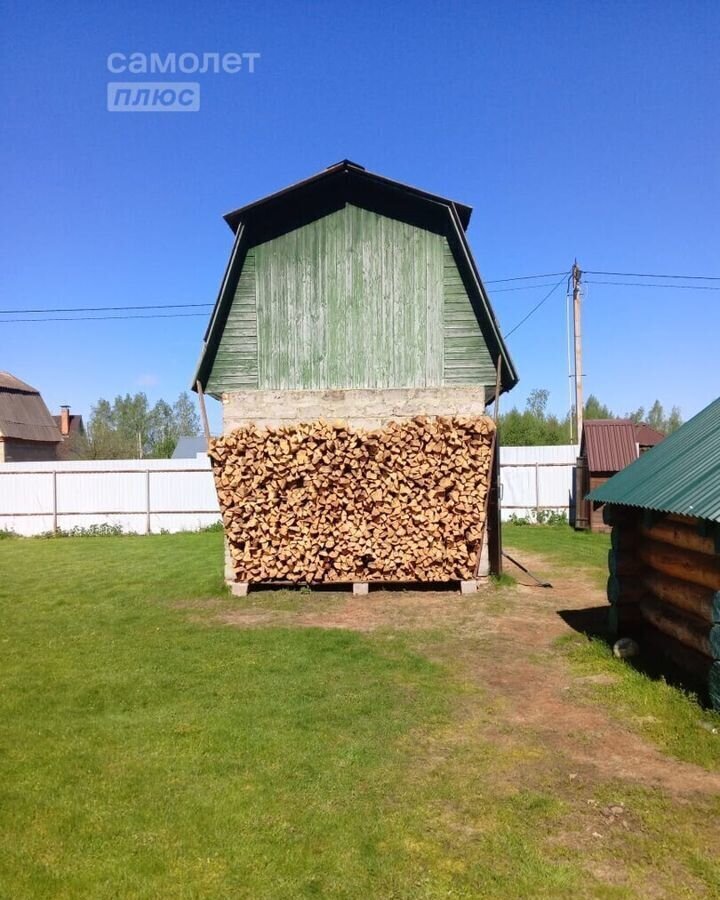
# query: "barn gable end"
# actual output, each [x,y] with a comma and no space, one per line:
[353,287]
[374,303]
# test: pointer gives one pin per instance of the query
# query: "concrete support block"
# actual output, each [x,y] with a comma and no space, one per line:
[361,587]
[484,568]
[239,588]
[468,587]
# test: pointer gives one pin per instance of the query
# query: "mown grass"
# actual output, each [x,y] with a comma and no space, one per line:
[146,750]
[565,546]
[144,754]
[671,717]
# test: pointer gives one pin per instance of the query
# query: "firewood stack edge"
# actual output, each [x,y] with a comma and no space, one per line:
[321,502]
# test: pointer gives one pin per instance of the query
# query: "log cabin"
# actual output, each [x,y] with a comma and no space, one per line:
[664,561]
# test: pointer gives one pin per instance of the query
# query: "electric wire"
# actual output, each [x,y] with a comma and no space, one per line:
[536,307]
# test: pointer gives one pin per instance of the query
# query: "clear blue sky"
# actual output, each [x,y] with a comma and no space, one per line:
[573,129]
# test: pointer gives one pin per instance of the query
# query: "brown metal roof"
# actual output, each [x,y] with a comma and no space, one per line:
[23,414]
[647,436]
[609,444]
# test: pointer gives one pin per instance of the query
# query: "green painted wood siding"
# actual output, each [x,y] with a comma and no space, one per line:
[467,358]
[236,363]
[352,300]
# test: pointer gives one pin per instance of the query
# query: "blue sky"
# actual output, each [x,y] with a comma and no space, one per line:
[573,129]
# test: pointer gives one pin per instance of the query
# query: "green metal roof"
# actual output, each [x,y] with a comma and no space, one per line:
[680,475]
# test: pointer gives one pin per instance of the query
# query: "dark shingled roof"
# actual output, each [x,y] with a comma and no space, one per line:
[23,414]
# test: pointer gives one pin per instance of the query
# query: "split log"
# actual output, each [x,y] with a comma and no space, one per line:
[701,602]
[681,628]
[683,535]
[319,502]
[687,565]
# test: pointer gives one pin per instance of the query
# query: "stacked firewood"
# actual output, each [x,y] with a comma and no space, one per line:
[318,502]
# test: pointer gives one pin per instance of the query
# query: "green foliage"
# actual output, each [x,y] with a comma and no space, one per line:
[594,409]
[534,426]
[657,418]
[104,529]
[540,517]
[130,428]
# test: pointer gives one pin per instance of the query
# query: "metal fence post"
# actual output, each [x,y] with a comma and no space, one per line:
[54,498]
[537,490]
[147,501]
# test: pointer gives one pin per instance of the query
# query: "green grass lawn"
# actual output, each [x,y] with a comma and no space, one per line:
[563,545]
[144,754]
[149,750]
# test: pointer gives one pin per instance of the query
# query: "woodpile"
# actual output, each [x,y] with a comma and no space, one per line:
[321,503]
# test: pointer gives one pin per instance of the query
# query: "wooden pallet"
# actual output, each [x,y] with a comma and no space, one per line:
[243,588]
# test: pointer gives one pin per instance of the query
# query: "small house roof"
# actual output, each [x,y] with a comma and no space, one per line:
[188,447]
[680,475]
[23,414]
[647,436]
[608,444]
[75,423]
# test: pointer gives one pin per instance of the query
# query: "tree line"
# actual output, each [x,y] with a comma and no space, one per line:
[535,426]
[130,428]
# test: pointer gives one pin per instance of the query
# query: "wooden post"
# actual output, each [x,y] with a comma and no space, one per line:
[203,412]
[492,524]
[577,330]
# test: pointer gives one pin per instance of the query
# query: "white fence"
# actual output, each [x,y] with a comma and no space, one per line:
[148,496]
[537,478]
[143,495]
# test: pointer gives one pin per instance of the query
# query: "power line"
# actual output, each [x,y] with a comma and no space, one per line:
[522,287]
[670,287]
[73,309]
[103,318]
[537,305]
[651,275]
[526,277]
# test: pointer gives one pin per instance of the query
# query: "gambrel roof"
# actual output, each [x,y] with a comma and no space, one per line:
[347,183]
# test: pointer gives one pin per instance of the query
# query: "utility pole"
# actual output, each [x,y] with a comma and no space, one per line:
[579,407]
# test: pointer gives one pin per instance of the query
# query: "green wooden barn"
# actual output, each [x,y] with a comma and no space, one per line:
[351,296]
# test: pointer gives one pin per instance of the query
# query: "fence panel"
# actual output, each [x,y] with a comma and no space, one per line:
[537,479]
[142,496]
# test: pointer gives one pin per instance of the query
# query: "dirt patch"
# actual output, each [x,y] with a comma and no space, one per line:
[536,699]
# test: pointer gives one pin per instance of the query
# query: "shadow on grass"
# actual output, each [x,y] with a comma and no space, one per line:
[654,659]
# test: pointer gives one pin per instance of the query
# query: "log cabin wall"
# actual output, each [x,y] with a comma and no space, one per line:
[664,585]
